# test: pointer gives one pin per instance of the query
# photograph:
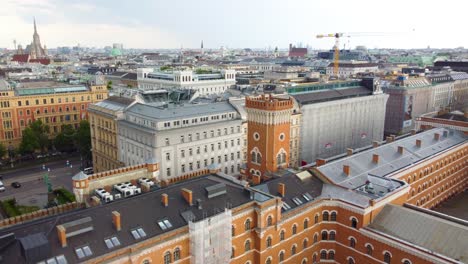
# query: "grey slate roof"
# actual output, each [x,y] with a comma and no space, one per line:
[185,111]
[330,95]
[425,230]
[139,211]
[389,159]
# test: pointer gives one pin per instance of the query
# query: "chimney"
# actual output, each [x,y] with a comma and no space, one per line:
[389,139]
[282,189]
[418,143]
[375,144]
[188,196]
[436,136]
[413,131]
[349,151]
[375,158]
[445,133]
[400,149]
[320,162]
[116,220]
[62,236]
[393,137]
[256,179]
[165,199]
[347,170]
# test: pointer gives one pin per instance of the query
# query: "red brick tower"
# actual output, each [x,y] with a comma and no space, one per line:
[268,133]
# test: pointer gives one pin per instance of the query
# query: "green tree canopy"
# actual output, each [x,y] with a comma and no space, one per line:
[64,141]
[29,142]
[83,139]
[34,137]
[3,150]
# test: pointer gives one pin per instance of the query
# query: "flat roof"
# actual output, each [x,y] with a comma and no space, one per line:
[362,167]
[179,111]
[331,94]
[141,211]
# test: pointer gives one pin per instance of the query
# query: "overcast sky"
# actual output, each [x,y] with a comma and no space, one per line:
[235,23]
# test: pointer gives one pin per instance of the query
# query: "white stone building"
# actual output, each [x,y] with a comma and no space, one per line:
[183,138]
[352,68]
[205,84]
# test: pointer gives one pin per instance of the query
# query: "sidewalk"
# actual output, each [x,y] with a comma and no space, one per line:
[24,165]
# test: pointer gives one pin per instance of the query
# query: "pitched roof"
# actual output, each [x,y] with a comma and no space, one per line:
[445,237]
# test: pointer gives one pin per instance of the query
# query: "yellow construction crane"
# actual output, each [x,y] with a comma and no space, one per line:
[336,57]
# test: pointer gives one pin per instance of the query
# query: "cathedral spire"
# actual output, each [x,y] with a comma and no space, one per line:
[35,29]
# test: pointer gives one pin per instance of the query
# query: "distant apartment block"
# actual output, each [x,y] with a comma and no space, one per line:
[205,83]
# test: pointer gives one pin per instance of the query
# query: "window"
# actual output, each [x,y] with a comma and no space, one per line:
[333,216]
[247,225]
[268,242]
[138,233]
[269,220]
[352,243]
[282,235]
[176,254]
[316,219]
[233,231]
[83,252]
[324,235]
[281,256]
[332,235]
[294,229]
[315,238]
[247,245]
[350,260]
[233,253]
[168,156]
[293,250]
[331,255]
[304,243]
[306,223]
[325,216]
[406,262]
[268,261]
[168,172]
[323,254]
[353,222]
[112,242]
[387,258]
[167,257]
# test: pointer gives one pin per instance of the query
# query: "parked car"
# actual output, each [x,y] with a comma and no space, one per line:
[16,185]
[2,187]
[89,170]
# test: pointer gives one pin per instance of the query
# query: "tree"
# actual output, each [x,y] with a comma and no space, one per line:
[3,150]
[83,140]
[34,137]
[64,141]
[109,85]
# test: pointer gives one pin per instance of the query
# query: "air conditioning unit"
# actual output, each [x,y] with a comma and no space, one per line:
[137,191]
[117,196]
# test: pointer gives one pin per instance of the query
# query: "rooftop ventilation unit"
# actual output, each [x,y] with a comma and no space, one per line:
[35,247]
[216,190]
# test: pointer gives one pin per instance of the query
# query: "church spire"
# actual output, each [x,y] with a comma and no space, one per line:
[35,29]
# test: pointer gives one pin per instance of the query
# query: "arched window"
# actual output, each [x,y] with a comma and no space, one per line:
[352,243]
[282,235]
[353,222]
[333,216]
[315,238]
[281,256]
[387,258]
[306,223]
[331,255]
[176,254]
[259,158]
[314,258]
[233,231]
[369,250]
[350,260]
[323,254]
[304,243]
[316,219]
[325,216]
[324,235]
[293,250]
[269,220]
[268,242]
[247,246]
[254,157]
[406,262]
[167,258]
[268,261]
[304,261]
[146,261]
[247,225]
[294,229]
[332,235]
[233,253]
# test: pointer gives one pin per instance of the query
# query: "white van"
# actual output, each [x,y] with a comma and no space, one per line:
[2,187]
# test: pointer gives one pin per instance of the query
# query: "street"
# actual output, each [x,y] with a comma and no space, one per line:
[33,190]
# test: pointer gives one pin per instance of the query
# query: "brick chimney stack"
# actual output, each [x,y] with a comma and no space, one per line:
[347,170]
[116,220]
[188,195]
[375,158]
[282,189]
[165,200]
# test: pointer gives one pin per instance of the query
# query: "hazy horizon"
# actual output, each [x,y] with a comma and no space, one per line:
[240,24]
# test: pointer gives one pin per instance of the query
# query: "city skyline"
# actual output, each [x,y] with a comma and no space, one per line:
[259,24]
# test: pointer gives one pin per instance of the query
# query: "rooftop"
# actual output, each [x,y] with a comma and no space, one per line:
[180,111]
[445,237]
[142,211]
[330,95]
[363,166]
